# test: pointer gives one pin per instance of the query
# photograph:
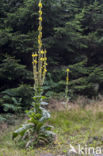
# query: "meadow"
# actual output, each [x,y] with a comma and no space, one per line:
[73,126]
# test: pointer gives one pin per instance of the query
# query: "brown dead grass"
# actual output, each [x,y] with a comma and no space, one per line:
[95,105]
[3,127]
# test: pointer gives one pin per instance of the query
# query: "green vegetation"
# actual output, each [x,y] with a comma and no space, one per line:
[72,35]
[72,127]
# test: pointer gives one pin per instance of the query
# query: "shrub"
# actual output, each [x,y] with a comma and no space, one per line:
[16,99]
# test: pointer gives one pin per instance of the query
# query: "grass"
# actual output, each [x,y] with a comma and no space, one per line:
[80,126]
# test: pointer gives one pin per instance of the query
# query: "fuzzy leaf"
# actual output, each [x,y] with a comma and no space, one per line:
[21,131]
[44,103]
[45,115]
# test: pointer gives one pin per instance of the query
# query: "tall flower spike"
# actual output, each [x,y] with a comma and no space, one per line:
[39,59]
[40,4]
[67,83]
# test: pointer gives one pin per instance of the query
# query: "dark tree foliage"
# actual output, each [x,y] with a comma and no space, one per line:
[72,35]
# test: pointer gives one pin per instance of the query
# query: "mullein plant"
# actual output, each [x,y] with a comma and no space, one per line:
[39,59]
[67,86]
[36,131]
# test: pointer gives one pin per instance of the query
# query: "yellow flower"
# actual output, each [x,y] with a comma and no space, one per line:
[40,4]
[40,12]
[68,70]
[41,58]
[40,19]
[39,41]
[35,61]
[34,55]
[45,58]
[45,51]
[40,28]
[45,70]
[40,44]
[67,78]
[42,52]
[40,34]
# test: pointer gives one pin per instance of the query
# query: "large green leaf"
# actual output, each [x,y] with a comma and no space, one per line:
[46,127]
[45,114]
[21,131]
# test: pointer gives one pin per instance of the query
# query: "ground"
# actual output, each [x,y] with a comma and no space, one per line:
[76,126]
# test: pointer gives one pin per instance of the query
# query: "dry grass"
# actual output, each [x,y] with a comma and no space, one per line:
[95,105]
